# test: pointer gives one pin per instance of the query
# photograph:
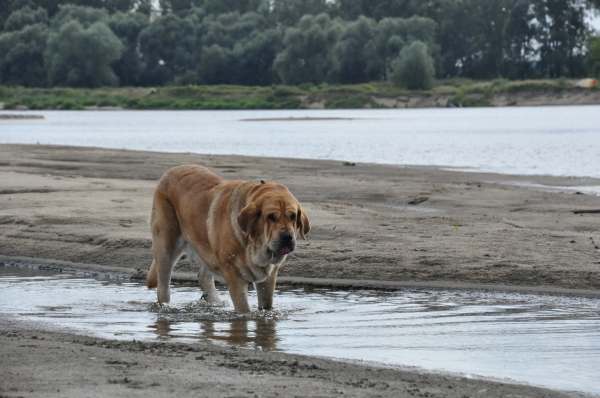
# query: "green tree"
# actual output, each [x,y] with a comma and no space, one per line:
[520,45]
[350,57]
[253,58]
[5,11]
[86,16]
[306,57]
[414,68]
[390,36]
[473,37]
[169,49]
[238,49]
[144,7]
[379,9]
[178,7]
[241,6]
[111,6]
[80,57]
[228,29]
[215,65]
[21,56]
[127,27]
[54,6]
[513,38]
[24,17]
[594,50]
[213,7]
[562,34]
[289,12]
[9,7]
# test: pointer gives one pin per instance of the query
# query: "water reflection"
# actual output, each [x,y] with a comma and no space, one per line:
[258,334]
[200,321]
[162,328]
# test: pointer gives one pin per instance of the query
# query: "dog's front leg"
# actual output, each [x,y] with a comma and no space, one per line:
[207,282]
[238,290]
[265,291]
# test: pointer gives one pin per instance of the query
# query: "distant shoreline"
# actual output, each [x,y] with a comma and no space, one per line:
[446,94]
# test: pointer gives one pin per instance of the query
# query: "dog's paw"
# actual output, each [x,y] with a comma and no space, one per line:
[213,299]
[157,307]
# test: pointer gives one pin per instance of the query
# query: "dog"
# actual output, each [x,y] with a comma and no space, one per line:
[239,232]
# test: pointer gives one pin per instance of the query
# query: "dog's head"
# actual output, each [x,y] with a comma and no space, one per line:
[271,222]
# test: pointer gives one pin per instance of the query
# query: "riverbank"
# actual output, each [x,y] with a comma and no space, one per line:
[446,93]
[373,226]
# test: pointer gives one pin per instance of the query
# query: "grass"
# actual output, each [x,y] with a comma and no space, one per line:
[456,91]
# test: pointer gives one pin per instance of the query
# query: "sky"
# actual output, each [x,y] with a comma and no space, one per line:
[596,23]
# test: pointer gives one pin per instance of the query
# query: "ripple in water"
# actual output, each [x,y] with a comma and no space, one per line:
[546,340]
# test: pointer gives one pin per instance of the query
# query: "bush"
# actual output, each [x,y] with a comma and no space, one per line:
[285,91]
[414,68]
[107,102]
[353,102]
[71,105]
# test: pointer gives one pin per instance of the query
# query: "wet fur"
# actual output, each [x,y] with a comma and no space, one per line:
[223,226]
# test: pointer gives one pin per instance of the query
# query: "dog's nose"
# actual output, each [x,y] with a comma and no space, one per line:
[286,237]
[286,242]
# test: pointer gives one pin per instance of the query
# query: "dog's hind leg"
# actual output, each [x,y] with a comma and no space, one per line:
[165,257]
[167,247]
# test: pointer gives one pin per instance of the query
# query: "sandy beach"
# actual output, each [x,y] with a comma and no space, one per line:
[374,226]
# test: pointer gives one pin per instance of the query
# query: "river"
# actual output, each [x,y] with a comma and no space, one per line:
[558,141]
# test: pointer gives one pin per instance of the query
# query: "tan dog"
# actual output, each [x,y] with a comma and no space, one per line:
[238,231]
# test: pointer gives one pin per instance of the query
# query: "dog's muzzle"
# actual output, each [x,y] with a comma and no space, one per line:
[285,245]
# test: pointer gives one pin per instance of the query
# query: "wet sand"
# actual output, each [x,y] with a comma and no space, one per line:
[373,226]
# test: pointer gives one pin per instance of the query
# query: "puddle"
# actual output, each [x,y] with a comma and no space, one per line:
[544,340]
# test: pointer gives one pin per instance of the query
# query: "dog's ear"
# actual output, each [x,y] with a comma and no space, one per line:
[247,217]
[302,222]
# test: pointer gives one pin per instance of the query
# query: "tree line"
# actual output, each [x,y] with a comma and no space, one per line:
[93,43]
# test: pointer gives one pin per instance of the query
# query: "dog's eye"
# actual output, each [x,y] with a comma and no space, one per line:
[292,217]
[271,217]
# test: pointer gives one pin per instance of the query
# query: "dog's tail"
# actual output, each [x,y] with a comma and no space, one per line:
[152,278]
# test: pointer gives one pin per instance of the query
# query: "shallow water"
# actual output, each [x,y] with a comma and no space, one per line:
[560,141]
[545,340]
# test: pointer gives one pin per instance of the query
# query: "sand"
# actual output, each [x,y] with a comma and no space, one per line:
[374,226]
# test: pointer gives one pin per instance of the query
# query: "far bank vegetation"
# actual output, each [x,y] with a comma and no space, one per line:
[444,93]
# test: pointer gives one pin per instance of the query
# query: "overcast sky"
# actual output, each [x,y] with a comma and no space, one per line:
[596,23]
